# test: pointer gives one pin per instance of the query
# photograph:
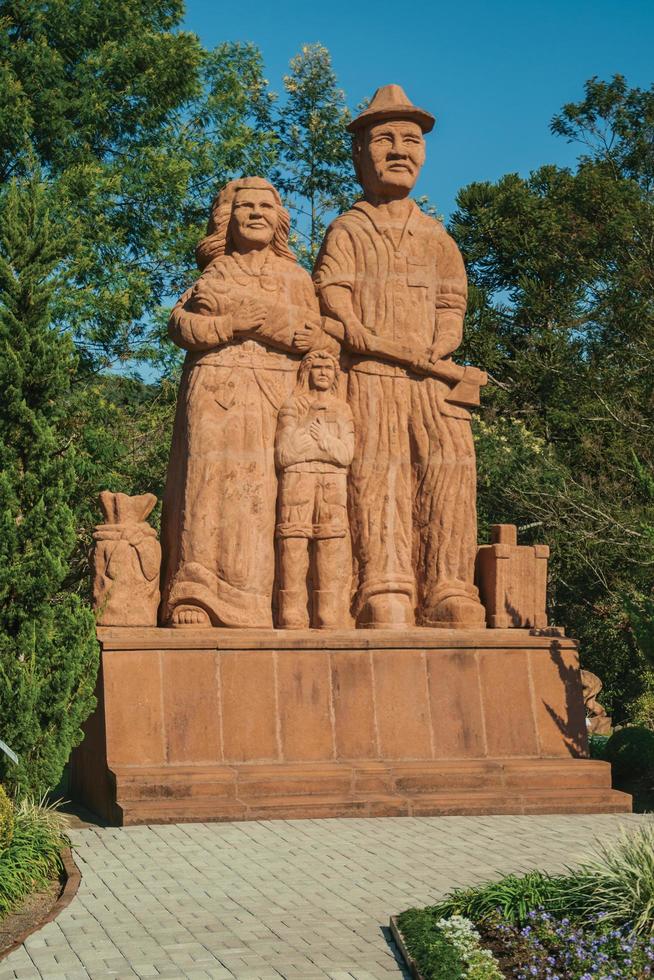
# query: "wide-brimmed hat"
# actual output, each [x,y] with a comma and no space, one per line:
[392,102]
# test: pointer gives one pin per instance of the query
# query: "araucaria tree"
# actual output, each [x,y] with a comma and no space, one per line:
[314,171]
[48,651]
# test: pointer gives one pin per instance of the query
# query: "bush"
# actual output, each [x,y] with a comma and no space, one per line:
[597,746]
[33,858]
[631,752]
[6,820]
[620,886]
[642,710]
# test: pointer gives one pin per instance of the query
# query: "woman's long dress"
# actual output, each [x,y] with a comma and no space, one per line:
[219,503]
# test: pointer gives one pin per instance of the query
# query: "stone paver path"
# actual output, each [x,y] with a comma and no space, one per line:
[299,899]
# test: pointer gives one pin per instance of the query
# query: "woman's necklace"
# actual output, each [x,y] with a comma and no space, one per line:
[267,280]
[254,269]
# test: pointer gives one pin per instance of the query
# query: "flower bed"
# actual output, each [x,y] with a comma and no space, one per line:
[594,922]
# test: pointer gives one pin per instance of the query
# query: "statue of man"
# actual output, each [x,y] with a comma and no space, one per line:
[393,276]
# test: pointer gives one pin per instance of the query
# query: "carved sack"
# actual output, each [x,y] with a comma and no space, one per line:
[126,562]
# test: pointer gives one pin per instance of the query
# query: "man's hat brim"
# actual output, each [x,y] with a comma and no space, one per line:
[373,115]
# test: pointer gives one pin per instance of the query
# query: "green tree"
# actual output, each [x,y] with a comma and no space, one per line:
[135,126]
[315,170]
[562,315]
[48,651]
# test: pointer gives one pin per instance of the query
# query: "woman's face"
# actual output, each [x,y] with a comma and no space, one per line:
[254,219]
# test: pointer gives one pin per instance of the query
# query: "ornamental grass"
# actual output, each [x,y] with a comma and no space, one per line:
[32,859]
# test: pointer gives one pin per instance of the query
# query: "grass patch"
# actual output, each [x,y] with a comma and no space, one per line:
[33,857]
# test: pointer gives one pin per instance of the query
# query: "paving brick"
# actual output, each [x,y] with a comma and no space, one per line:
[293,899]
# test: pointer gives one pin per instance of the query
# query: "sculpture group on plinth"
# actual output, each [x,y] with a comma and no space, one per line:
[322,484]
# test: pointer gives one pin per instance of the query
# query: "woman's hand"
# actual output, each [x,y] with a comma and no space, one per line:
[249,315]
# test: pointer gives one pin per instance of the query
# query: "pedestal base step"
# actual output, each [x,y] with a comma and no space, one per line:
[172,794]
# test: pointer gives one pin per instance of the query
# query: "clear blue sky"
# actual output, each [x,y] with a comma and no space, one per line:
[493,73]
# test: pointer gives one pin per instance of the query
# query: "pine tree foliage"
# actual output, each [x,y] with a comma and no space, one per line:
[315,171]
[48,651]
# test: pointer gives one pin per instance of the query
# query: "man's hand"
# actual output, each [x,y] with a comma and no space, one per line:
[249,315]
[355,335]
[438,350]
[422,364]
[310,334]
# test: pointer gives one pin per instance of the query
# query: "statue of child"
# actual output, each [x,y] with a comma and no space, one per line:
[313,449]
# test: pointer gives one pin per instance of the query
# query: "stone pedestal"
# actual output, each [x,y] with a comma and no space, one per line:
[215,724]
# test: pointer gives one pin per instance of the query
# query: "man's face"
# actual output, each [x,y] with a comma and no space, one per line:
[254,219]
[390,157]
[321,375]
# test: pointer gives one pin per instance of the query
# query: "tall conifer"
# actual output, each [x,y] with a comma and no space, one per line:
[48,651]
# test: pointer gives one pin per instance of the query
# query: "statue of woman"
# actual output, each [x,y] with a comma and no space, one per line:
[245,324]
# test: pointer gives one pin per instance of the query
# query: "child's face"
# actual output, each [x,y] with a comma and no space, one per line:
[321,375]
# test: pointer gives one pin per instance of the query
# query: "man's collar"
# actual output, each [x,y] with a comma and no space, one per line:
[377,219]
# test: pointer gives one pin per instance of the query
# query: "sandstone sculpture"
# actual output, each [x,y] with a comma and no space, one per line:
[313,449]
[395,282]
[597,720]
[512,580]
[245,324]
[126,562]
[322,475]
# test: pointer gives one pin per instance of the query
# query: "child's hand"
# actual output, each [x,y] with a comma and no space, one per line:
[305,443]
[319,431]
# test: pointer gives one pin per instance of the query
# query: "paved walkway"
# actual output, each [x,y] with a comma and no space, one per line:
[299,899]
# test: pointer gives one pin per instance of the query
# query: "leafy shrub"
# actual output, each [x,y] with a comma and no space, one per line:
[631,751]
[597,745]
[33,857]
[6,819]
[642,710]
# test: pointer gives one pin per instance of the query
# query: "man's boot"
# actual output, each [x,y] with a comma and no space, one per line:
[387,611]
[453,605]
